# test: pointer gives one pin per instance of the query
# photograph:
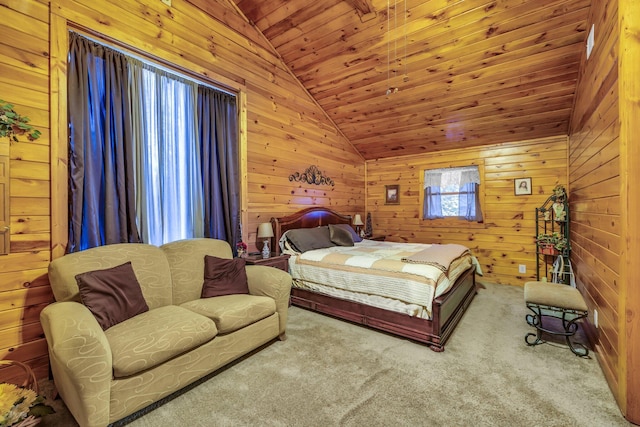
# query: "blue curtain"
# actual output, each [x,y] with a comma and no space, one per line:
[217,115]
[150,153]
[101,196]
[468,202]
[432,203]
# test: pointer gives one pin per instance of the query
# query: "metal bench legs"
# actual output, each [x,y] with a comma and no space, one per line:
[569,320]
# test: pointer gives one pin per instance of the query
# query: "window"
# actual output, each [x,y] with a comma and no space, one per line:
[452,193]
[153,156]
[169,155]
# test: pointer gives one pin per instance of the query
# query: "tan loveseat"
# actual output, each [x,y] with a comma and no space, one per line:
[104,376]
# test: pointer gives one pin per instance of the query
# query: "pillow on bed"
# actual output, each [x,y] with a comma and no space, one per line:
[307,239]
[350,229]
[340,236]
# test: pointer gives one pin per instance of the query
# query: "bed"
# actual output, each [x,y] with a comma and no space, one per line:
[431,325]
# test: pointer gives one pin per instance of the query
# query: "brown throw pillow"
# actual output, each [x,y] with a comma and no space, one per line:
[113,295]
[340,236]
[224,276]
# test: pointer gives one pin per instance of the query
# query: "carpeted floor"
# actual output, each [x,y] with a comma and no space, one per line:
[332,373]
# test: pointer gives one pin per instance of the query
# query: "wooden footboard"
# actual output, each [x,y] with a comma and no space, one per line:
[447,312]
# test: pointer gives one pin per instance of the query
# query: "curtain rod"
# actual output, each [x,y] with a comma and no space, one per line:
[151,59]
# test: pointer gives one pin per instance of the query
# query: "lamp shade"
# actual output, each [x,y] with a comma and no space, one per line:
[265,230]
[358,220]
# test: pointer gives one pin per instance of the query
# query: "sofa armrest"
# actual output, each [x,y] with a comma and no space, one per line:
[81,360]
[274,283]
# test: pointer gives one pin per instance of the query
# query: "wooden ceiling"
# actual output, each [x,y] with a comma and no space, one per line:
[467,72]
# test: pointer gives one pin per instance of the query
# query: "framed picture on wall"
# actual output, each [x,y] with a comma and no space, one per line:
[392,194]
[522,186]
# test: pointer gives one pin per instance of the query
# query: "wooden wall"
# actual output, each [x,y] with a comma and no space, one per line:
[506,239]
[629,90]
[594,173]
[24,82]
[603,167]
[285,131]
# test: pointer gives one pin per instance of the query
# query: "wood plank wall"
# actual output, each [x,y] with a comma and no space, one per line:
[629,89]
[24,82]
[594,174]
[603,173]
[286,132]
[507,237]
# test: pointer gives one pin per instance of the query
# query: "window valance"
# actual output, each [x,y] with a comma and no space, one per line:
[451,176]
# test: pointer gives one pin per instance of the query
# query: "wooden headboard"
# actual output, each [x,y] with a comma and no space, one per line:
[306,218]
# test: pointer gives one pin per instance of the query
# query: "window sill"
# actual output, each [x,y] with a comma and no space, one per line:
[451,222]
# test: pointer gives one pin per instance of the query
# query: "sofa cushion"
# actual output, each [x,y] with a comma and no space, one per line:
[156,336]
[232,312]
[224,277]
[186,258]
[113,295]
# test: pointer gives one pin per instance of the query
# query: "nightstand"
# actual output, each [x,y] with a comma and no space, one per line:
[279,261]
[377,238]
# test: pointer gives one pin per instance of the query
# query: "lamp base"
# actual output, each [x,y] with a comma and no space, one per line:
[266,253]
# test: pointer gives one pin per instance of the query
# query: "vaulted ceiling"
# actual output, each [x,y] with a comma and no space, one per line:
[416,76]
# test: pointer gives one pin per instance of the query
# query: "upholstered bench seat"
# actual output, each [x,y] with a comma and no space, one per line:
[555,300]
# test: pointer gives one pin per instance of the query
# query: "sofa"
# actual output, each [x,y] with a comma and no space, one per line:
[105,375]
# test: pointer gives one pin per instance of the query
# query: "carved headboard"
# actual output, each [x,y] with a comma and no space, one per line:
[306,218]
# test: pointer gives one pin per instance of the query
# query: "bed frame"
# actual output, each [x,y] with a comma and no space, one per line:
[447,308]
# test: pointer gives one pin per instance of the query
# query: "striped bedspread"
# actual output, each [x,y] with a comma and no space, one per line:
[375,273]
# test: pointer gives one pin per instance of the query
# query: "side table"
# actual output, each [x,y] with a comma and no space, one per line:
[277,261]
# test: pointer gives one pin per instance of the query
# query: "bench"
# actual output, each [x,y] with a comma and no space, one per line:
[559,301]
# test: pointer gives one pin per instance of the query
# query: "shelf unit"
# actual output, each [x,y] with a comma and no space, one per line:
[552,219]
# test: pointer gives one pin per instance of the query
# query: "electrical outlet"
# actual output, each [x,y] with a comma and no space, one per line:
[595,318]
[522,269]
[591,40]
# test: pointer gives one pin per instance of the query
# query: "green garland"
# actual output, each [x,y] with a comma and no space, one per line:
[13,124]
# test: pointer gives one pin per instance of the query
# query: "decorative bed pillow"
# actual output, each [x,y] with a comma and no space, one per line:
[340,236]
[350,229]
[307,239]
[113,295]
[223,276]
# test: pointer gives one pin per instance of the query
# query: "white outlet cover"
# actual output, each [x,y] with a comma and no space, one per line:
[522,268]
[591,40]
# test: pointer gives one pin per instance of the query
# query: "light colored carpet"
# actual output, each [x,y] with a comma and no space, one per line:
[332,373]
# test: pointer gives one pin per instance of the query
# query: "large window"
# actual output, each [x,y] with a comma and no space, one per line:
[452,193]
[153,155]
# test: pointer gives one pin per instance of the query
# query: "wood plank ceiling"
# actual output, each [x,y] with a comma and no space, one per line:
[467,72]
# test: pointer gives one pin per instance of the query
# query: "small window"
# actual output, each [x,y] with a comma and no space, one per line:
[452,193]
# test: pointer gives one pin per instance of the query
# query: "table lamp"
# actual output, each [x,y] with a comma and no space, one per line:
[357,221]
[265,231]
